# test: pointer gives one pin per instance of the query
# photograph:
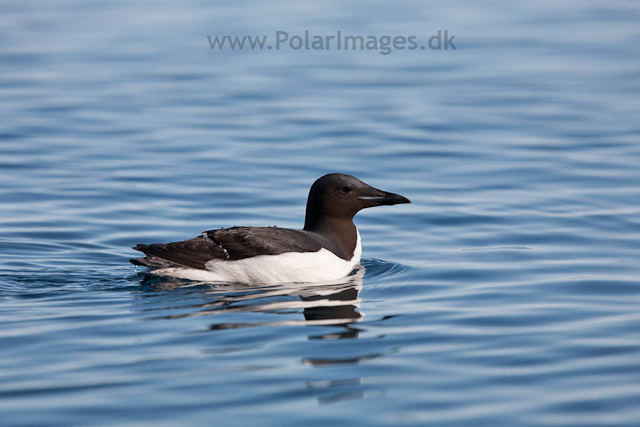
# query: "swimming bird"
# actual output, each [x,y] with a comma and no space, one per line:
[327,248]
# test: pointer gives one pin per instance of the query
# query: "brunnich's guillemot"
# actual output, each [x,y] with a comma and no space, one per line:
[327,248]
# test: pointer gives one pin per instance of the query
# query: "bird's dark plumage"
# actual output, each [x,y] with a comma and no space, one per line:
[227,244]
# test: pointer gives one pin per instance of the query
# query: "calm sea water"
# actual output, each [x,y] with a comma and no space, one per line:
[508,293]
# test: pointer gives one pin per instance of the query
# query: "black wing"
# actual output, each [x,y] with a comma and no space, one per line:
[226,244]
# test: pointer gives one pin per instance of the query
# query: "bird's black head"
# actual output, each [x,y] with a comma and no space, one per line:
[338,197]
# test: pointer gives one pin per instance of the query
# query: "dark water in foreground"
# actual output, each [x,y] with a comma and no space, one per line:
[508,293]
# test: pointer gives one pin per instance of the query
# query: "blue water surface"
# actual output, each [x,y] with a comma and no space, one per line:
[508,293]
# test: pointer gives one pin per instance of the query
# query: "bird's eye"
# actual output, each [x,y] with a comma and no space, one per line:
[346,190]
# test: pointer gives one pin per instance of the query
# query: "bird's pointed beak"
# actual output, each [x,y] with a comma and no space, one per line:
[379,198]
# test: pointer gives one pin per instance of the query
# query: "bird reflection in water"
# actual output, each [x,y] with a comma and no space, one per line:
[333,303]
[328,304]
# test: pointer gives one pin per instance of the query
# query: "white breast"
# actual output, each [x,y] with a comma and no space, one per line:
[271,269]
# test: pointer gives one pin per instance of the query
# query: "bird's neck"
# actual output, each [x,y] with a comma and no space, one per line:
[341,234]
